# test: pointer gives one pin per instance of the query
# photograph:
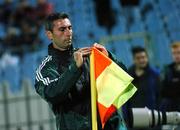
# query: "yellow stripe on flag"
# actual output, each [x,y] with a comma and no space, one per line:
[111,83]
[125,96]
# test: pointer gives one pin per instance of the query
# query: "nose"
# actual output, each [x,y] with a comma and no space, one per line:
[68,32]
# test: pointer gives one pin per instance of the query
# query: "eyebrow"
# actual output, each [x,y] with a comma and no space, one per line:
[66,26]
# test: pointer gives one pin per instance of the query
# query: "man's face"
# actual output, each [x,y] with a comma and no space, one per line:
[176,54]
[140,59]
[61,35]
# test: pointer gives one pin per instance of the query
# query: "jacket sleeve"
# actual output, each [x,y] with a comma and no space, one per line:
[54,87]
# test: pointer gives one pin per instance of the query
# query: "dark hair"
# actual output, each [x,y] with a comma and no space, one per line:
[137,49]
[52,17]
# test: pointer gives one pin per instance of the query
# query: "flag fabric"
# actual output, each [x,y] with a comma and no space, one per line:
[113,85]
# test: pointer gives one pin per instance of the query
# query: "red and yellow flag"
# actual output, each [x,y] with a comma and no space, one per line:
[113,84]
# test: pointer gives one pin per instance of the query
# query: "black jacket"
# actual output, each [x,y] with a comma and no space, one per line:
[148,86]
[171,89]
[67,90]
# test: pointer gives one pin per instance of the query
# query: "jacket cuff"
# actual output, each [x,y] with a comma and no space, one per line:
[73,68]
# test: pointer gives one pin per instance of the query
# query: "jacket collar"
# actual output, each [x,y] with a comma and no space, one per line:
[132,70]
[60,54]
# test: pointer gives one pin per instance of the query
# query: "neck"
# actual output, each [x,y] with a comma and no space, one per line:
[139,71]
[178,67]
[59,48]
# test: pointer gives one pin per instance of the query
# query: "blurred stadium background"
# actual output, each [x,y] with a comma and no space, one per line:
[117,24]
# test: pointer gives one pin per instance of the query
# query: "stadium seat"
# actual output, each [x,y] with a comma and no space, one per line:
[2,32]
[153,22]
[165,7]
[122,51]
[162,54]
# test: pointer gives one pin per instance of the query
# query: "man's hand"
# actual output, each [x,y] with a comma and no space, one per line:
[79,54]
[101,48]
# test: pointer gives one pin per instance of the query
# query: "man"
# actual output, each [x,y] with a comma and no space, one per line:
[63,78]
[171,82]
[146,79]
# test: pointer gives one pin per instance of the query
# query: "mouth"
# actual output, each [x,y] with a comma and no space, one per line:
[68,39]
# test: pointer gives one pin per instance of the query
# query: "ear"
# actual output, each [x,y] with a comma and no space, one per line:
[49,35]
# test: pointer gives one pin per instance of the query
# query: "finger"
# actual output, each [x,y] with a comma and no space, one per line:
[98,46]
[86,53]
[77,54]
[82,53]
[95,44]
[101,48]
[84,48]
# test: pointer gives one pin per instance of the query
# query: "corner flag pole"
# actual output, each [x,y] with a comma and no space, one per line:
[93,93]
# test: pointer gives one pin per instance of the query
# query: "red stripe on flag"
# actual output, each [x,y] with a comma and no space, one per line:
[105,113]
[100,62]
